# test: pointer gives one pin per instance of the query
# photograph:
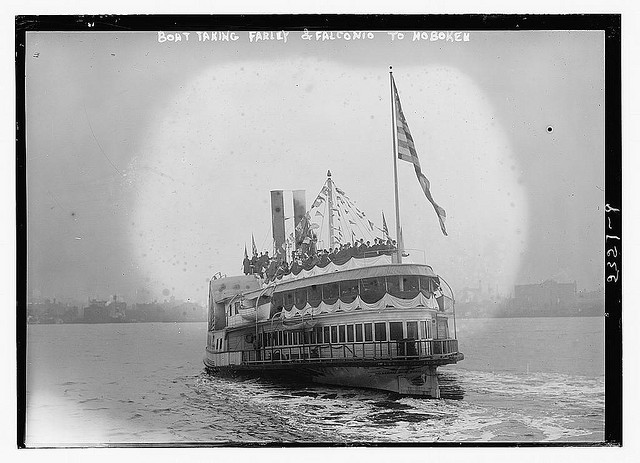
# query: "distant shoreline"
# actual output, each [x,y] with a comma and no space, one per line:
[204,321]
[118,322]
[587,315]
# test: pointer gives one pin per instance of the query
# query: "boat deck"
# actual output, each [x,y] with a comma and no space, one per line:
[387,353]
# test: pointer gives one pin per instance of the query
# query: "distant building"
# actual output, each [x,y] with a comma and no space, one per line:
[546,295]
[469,294]
[48,311]
[105,311]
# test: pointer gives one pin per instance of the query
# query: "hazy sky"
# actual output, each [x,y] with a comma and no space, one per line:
[149,164]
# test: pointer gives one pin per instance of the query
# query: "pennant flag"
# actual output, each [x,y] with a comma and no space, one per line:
[319,200]
[319,213]
[254,249]
[352,222]
[246,256]
[370,224]
[407,152]
[339,191]
[385,230]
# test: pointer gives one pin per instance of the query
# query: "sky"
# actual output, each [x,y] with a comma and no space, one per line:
[149,165]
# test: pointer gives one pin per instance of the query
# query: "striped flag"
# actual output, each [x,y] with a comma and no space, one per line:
[407,152]
[254,249]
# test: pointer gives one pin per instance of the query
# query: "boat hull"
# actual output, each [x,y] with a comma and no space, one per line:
[408,378]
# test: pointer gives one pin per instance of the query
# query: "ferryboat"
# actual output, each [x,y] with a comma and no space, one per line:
[371,316]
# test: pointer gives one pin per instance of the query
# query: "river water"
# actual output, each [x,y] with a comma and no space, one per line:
[522,380]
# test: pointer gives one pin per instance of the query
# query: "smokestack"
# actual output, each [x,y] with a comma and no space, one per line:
[299,209]
[277,219]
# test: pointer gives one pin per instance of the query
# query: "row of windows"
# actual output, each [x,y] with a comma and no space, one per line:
[357,332]
[370,290]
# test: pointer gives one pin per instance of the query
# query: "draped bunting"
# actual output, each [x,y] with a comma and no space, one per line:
[352,263]
[386,301]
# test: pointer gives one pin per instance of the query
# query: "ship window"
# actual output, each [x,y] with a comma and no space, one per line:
[423,330]
[334,334]
[381,331]
[348,290]
[330,293]
[412,330]
[288,300]
[410,288]
[443,329]
[426,285]
[326,335]
[395,331]
[393,285]
[341,333]
[289,340]
[318,331]
[349,333]
[368,332]
[314,295]
[280,338]
[277,302]
[372,289]
[301,298]
[359,332]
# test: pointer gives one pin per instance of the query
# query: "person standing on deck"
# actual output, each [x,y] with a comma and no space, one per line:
[246,263]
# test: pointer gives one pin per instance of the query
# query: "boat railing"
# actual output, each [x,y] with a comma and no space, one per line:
[353,351]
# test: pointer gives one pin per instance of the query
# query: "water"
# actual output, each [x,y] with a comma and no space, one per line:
[524,380]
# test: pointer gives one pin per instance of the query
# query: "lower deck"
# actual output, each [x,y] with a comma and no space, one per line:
[404,352]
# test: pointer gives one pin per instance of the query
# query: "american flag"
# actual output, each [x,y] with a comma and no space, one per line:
[407,152]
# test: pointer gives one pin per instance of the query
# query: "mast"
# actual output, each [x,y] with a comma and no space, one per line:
[330,205]
[395,167]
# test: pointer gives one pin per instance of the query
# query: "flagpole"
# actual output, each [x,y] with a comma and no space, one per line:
[395,166]
[330,206]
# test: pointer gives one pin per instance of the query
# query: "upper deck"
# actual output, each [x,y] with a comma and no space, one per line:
[344,290]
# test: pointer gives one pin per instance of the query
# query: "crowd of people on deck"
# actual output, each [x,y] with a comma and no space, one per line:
[307,256]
